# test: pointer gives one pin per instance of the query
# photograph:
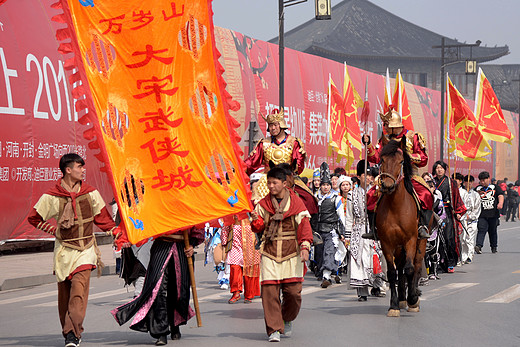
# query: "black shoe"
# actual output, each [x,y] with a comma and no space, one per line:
[362,298]
[71,340]
[493,249]
[478,249]
[337,279]
[423,232]
[370,236]
[326,283]
[161,341]
[176,333]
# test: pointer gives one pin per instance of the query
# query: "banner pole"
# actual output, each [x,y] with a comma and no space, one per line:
[192,277]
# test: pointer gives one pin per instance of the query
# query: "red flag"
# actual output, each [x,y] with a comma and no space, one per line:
[388,100]
[400,102]
[462,125]
[352,101]
[337,126]
[491,121]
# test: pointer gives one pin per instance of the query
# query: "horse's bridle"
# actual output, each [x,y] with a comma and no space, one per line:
[389,190]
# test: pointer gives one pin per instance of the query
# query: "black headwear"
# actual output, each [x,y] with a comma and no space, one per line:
[361,167]
[324,173]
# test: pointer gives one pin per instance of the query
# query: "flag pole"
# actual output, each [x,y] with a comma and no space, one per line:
[469,172]
[192,277]
[366,161]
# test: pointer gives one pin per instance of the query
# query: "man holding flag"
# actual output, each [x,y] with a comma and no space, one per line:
[416,145]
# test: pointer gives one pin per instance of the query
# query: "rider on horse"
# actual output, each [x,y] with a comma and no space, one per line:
[416,146]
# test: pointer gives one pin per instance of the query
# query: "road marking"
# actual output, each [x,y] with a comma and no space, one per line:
[224,295]
[447,289]
[220,295]
[29,297]
[506,296]
[90,297]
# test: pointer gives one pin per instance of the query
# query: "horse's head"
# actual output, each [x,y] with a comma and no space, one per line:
[391,170]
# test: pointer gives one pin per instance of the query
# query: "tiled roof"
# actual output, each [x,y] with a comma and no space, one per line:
[501,78]
[359,28]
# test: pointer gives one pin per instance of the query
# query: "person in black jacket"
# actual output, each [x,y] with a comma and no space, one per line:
[513,198]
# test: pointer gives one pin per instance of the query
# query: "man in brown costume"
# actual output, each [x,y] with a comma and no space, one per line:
[76,206]
[285,248]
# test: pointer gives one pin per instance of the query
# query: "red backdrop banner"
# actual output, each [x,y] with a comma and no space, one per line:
[39,124]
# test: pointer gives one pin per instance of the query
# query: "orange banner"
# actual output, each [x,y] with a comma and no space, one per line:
[162,119]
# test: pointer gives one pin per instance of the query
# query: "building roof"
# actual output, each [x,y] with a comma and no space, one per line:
[504,80]
[359,28]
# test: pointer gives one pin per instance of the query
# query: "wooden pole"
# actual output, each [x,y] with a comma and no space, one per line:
[469,174]
[192,277]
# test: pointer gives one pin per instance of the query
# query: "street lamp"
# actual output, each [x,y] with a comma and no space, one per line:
[323,10]
[458,59]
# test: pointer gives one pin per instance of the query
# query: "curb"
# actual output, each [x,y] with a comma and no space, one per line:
[38,280]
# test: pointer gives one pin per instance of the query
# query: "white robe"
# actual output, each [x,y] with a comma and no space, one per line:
[360,249]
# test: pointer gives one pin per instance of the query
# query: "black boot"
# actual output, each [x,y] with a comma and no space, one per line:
[372,233]
[424,220]
[176,332]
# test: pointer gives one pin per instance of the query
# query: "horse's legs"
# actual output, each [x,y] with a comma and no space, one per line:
[393,311]
[410,270]
[401,279]
[418,262]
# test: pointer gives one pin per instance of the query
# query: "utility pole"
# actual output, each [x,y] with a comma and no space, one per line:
[281,57]
[458,59]
[518,119]
[323,11]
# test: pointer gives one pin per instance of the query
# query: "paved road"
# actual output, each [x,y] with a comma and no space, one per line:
[478,305]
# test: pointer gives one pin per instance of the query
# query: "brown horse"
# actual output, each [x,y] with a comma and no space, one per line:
[396,223]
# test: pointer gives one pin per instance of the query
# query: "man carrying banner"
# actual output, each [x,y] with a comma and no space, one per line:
[416,145]
[285,247]
[76,206]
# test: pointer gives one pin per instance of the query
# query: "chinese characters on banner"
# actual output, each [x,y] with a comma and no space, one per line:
[161,112]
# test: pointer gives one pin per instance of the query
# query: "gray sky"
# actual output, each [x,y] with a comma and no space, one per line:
[493,22]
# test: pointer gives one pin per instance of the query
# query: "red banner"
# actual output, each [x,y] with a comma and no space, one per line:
[38,114]
[36,131]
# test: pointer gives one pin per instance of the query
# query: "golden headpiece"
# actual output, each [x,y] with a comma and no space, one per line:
[276,117]
[392,118]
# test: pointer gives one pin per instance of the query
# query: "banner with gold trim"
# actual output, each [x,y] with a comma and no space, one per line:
[154,93]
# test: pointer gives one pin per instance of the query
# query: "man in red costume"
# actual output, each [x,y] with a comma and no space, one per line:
[280,148]
[416,146]
[76,206]
[285,247]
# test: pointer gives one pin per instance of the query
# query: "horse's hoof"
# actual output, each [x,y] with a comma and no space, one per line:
[414,307]
[403,304]
[393,313]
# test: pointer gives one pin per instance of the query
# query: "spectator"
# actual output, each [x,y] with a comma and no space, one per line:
[454,208]
[315,185]
[492,198]
[334,183]
[503,186]
[512,201]
[470,220]
[340,171]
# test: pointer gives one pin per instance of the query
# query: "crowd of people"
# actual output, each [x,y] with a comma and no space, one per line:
[325,224]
